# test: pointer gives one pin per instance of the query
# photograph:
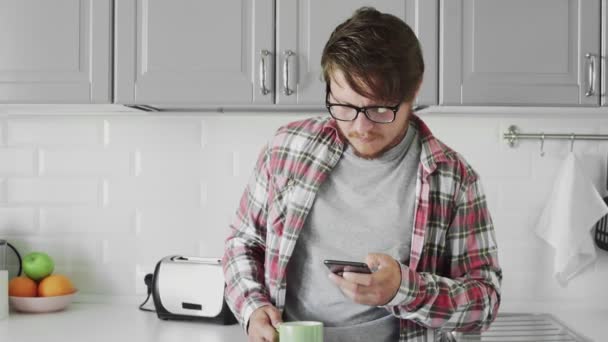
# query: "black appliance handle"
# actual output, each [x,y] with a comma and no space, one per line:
[18,257]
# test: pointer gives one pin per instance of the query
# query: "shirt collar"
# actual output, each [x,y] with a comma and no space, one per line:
[432,151]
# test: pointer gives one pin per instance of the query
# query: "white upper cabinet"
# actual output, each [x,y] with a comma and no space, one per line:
[192,52]
[520,52]
[55,51]
[304,26]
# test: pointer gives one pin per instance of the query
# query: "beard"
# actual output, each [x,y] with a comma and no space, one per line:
[352,136]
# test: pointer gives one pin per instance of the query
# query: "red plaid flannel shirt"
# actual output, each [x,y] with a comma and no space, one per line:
[452,280]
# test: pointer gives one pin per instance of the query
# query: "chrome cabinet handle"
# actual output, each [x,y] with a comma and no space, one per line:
[590,75]
[263,88]
[286,89]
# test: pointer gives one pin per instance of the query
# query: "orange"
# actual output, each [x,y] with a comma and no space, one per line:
[22,287]
[55,285]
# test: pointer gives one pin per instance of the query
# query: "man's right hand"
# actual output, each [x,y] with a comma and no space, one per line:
[262,324]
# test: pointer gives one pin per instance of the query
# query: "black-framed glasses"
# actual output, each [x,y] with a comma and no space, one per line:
[346,112]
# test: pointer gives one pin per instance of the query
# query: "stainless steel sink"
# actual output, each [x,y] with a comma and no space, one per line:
[519,327]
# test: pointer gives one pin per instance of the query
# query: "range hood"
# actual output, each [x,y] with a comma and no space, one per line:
[69,109]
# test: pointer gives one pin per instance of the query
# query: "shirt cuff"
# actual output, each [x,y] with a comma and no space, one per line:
[250,307]
[409,290]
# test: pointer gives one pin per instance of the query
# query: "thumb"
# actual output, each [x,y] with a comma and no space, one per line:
[378,260]
[275,316]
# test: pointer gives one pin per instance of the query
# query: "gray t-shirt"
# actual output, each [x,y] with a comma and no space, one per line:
[365,206]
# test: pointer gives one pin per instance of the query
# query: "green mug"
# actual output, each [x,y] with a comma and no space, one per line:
[301,331]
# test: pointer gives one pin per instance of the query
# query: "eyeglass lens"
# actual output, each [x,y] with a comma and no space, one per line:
[377,114]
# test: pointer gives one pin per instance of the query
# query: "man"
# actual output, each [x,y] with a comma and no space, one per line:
[367,183]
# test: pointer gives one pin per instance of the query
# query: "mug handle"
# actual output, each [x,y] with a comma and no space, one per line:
[18,257]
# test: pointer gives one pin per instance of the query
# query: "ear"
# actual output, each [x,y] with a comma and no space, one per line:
[418,88]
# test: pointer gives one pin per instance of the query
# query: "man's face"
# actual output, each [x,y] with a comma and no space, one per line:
[367,138]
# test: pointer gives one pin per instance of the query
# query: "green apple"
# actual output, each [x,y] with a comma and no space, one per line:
[37,265]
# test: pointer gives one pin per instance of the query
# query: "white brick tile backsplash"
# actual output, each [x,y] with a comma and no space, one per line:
[515,229]
[140,273]
[518,258]
[140,191]
[171,224]
[491,191]
[2,190]
[86,162]
[465,132]
[53,191]
[55,131]
[523,286]
[204,194]
[515,196]
[225,196]
[171,221]
[213,244]
[151,249]
[85,253]
[156,131]
[18,221]
[17,162]
[57,248]
[100,280]
[170,163]
[236,165]
[204,133]
[86,220]
[119,251]
[510,165]
[2,132]
[116,194]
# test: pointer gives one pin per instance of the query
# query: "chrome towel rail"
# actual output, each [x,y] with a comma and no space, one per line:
[513,135]
[523,327]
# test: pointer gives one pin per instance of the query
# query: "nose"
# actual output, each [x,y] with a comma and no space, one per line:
[362,124]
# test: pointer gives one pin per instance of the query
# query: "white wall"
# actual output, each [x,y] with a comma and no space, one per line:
[108,196]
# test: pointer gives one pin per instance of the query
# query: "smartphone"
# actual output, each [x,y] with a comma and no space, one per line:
[340,266]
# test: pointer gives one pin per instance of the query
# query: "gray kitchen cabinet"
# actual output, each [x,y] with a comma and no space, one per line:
[192,52]
[520,52]
[55,51]
[233,52]
[604,51]
[304,26]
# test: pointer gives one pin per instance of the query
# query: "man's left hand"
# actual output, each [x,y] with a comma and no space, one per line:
[374,289]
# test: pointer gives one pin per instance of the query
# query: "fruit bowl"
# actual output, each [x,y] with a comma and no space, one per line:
[41,304]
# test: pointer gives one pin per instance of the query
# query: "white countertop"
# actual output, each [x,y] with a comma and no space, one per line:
[110,322]
[105,322]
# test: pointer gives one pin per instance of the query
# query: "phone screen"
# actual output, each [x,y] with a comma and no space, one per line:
[340,266]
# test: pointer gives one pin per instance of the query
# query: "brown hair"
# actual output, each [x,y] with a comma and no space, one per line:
[379,55]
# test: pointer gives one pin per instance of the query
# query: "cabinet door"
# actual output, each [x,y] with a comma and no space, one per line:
[604,51]
[192,52]
[520,52]
[304,26]
[55,51]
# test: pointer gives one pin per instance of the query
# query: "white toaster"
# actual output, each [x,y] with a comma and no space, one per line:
[190,288]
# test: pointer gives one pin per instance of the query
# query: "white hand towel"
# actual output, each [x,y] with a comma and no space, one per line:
[567,220]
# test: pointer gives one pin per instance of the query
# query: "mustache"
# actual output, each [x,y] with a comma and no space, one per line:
[356,135]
